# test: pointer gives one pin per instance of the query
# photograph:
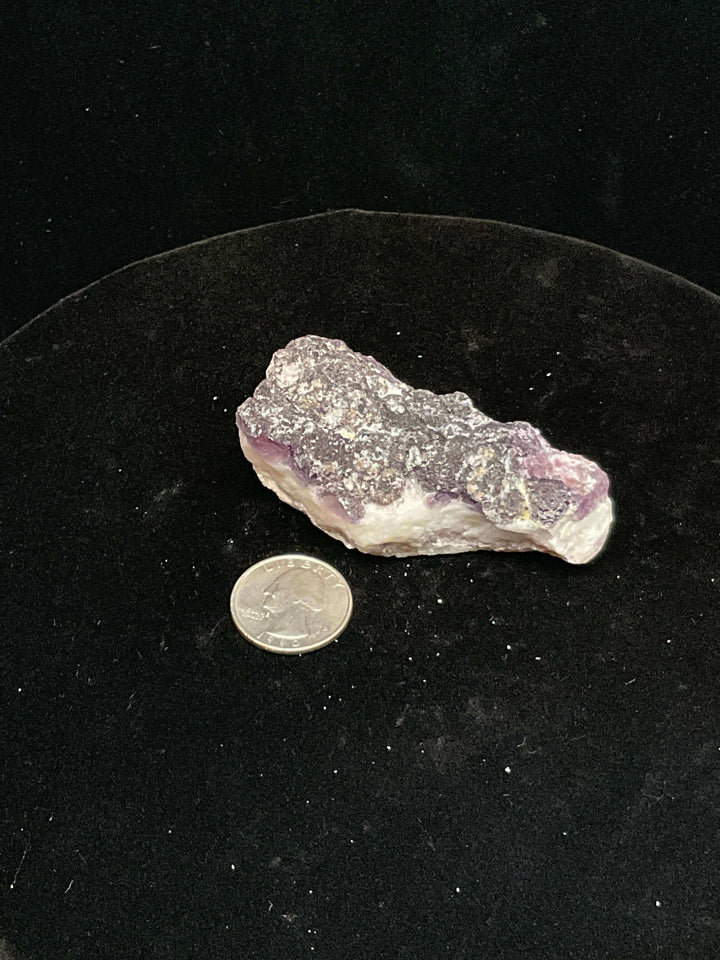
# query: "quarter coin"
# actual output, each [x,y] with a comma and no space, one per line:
[291,604]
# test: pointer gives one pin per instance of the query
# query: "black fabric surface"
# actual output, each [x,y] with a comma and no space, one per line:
[133,127]
[503,756]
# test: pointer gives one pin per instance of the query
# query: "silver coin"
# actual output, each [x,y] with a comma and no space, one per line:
[291,604]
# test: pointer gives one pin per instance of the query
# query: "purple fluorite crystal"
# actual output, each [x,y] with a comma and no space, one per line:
[393,470]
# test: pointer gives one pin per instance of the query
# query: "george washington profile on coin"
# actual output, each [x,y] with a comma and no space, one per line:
[292,605]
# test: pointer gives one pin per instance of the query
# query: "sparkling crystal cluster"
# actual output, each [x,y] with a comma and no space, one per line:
[393,470]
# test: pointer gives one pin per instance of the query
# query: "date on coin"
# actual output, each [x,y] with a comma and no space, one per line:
[291,604]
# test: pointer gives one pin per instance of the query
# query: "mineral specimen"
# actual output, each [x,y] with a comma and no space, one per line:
[393,470]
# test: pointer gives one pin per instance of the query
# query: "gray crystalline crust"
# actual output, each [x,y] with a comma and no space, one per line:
[394,470]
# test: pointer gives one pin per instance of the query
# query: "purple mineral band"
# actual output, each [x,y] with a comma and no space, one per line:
[277,454]
[357,435]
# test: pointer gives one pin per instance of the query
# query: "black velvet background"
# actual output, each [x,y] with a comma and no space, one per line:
[503,756]
[168,791]
[133,127]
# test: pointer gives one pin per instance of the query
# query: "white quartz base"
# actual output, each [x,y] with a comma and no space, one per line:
[411,526]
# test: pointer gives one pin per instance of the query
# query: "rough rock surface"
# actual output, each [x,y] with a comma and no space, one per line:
[397,471]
